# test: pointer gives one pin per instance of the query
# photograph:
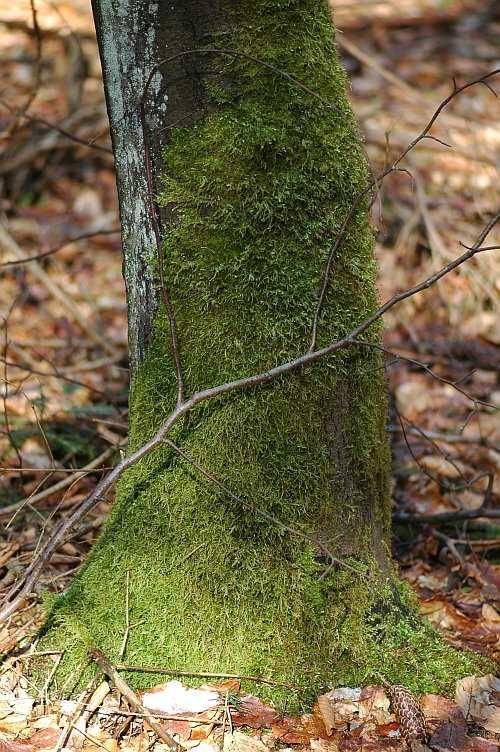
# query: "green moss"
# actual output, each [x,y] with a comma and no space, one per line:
[258,189]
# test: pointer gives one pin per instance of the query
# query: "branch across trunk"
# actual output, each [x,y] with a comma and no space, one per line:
[281,568]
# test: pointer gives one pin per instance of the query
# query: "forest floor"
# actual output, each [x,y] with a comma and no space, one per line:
[63,364]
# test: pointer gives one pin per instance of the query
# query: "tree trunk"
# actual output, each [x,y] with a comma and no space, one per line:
[293,580]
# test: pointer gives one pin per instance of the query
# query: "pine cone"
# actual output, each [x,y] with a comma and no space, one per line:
[409,714]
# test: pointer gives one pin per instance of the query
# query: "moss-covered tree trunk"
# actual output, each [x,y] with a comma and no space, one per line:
[256,177]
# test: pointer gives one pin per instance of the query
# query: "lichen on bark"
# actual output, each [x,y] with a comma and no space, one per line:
[256,189]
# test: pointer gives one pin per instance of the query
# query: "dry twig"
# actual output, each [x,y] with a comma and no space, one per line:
[107,668]
[204,675]
[23,587]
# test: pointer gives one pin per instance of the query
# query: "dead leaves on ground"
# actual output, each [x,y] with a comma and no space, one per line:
[217,717]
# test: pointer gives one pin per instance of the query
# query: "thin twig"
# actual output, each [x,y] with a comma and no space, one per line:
[58,129]
[59,247]
[204,675]
[443,518]
[126,631]
[420,364]
[38,73]
[56,374]
[485,510]
[107,668]
[253,507]
[16,507]
[373,184]
[7,241]
[68,727]
[26,582]
[6,421]
[110,710]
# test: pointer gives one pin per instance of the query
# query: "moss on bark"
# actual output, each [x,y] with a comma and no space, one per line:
[256,190]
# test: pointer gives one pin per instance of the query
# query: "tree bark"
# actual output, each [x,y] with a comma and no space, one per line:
[133,37]
[255,175]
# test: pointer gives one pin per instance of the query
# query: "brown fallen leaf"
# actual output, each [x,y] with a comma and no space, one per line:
[450,737]
[388,729]
[437,708]
[239,742]
[321,745]
[442,466]
[479,699]
[344,702]
[364,741]
[13,723]
[201,732]
[230,685]
[374,706]
[45,738]
[295,730]
[182,728]
[490,614]
[323,709]
[254,713]
[8,745]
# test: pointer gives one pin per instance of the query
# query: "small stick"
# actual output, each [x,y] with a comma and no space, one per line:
[107,668]
[13,509]
[58,247]
[204,675]
[10,244]
[57,129]
[23,587]
[44,694]
[68,727]
[108,711]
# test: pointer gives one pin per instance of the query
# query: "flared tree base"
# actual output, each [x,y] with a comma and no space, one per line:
[281,623]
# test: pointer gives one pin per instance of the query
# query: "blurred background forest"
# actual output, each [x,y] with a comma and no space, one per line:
[63,347]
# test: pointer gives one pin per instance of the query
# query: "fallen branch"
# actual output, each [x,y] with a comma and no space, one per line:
[107,668]
[21,589]
[204,675]
[443,518]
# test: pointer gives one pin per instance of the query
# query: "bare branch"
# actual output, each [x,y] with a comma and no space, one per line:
[107,668]
[62,131]
[38,73]
[22,588]
[424,366]
[374,184]
[443,518]
[51,251]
